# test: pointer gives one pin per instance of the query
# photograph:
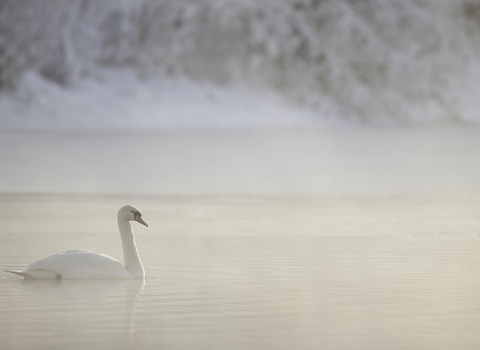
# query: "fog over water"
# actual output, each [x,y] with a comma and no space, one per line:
[308,170]
[275,162]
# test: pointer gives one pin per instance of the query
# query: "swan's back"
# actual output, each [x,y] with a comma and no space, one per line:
[77,264]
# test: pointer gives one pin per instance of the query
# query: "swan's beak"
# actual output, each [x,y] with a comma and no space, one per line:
[140,220]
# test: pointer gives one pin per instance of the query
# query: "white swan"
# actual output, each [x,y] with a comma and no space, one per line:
[84,264]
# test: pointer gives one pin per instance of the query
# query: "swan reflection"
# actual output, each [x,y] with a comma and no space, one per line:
[103,309]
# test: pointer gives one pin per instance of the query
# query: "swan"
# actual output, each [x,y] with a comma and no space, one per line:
[84,264]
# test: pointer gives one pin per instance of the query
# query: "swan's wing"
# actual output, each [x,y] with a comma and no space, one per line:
[79,264]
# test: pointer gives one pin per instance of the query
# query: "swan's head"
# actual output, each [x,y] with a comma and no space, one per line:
[130,213]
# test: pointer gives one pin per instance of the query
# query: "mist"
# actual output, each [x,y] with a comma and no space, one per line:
[308,170]
[242,163]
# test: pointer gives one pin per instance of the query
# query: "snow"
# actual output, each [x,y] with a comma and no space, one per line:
[122,100]
[378,61]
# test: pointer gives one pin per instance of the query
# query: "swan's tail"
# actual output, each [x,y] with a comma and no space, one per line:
[21,273]
[37,274]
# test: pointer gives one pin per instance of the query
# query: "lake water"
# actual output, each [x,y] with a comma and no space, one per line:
[302,239]
[331,272]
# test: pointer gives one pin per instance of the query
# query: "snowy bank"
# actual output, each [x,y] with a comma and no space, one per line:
[380,61]
[121,100]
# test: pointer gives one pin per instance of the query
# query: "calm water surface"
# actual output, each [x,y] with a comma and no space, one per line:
[338,272]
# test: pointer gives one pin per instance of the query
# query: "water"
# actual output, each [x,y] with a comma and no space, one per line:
[303,239]
[336,272]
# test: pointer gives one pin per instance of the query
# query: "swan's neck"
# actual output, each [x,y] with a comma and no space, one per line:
[130,255]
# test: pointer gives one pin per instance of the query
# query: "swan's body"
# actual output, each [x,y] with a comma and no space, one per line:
[84,264]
